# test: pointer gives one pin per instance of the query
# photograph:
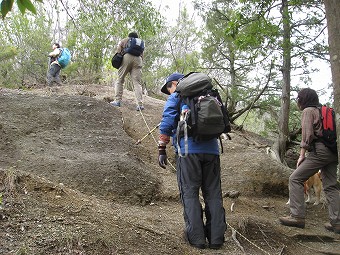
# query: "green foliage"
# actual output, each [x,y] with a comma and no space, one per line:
[264,120]
[7,52]
[92,36]
[98,27]
[7,58]
[26,39]
[26,4]
[236,51]
[172,49]
[244,37]
[7,5]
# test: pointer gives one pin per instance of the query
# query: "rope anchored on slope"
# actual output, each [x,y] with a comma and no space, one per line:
[149,133]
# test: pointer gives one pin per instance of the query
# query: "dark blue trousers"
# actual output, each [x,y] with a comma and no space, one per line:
[195,172]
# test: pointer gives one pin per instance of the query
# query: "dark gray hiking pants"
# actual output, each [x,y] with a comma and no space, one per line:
[53,75]
[201,171]
[326,161]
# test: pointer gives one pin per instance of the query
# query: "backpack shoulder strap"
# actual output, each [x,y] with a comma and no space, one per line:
[61,51]
[182,125]
[178,107]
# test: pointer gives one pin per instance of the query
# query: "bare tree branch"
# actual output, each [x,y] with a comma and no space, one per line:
[68,14]
[251,106]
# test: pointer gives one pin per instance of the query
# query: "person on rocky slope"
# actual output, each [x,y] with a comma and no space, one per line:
[54,67]
[199,169]
[319,157]
[132,48]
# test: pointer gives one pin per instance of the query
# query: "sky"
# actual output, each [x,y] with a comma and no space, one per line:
[170,8]
[322,79]
[173,5]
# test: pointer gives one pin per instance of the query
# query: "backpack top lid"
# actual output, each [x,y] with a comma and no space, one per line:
[328,135]
[327,118]
[193,83]
[135,46]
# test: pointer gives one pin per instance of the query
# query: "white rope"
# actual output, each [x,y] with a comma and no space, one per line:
[146,124]
[173,168]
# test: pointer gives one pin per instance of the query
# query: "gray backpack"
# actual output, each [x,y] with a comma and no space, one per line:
[205,117]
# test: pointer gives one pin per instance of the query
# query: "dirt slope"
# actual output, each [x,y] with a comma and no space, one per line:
[74,181]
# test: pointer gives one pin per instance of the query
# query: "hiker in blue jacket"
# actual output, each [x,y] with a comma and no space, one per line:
[199,169]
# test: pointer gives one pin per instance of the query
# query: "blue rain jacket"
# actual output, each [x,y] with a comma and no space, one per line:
[168,127]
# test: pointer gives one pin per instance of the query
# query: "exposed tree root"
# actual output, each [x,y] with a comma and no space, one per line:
[233,235]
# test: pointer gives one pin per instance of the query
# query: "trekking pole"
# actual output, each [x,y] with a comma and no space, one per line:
[150,132]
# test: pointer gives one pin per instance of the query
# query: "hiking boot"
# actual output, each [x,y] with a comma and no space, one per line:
[198,246]
[330,227]
[115,103]
[291,221]
[215,246]
[139,108]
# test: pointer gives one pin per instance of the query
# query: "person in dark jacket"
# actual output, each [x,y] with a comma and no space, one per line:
[319,157]
[200,169]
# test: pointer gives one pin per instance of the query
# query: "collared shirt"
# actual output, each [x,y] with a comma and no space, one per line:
[55,53]
[122,45]
[54,56]
[311,126]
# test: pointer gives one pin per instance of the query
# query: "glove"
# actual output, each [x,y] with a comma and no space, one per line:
[162,158]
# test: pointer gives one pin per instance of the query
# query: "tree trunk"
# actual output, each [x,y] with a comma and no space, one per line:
[232,103]
[279,146]
[333,24]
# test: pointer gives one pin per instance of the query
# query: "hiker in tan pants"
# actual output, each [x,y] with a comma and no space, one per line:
[132,64]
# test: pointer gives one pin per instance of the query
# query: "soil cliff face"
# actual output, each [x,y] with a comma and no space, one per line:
[75,140]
